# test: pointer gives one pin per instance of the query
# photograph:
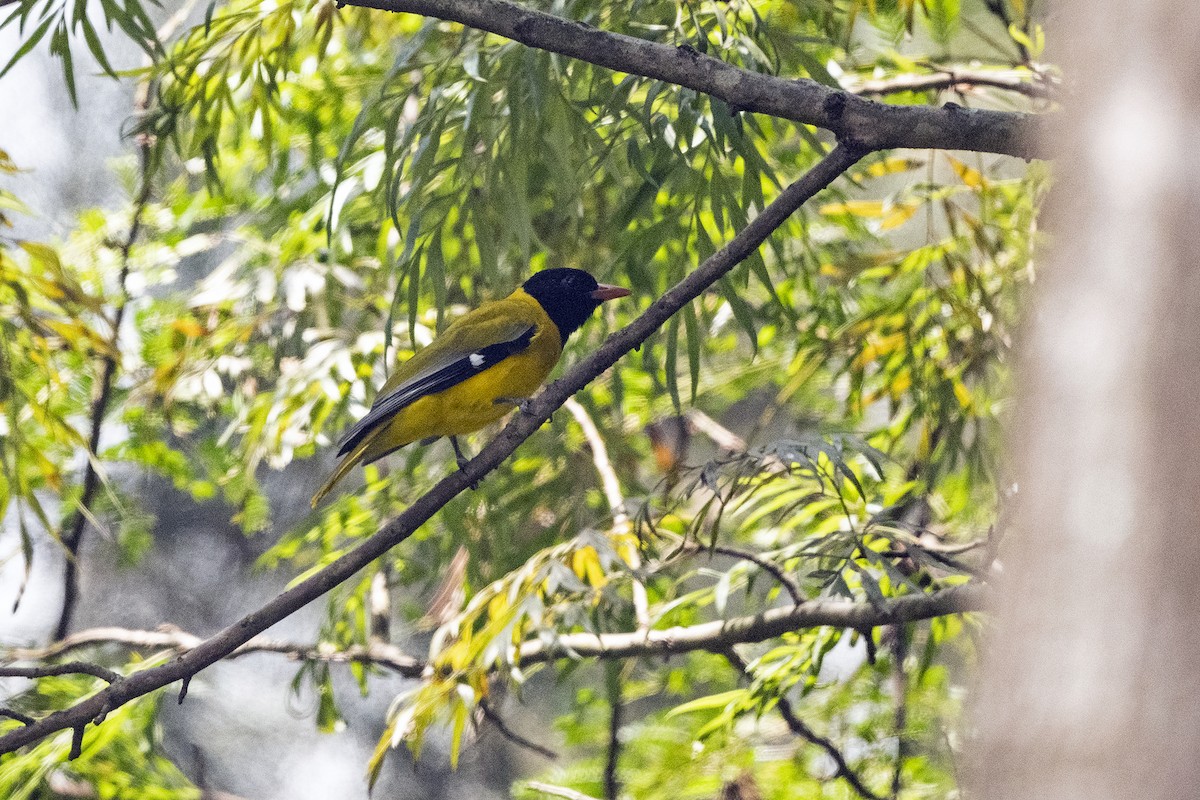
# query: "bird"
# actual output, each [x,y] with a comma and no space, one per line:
[486,363]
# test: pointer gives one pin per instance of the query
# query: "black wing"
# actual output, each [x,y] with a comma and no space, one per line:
[439,380]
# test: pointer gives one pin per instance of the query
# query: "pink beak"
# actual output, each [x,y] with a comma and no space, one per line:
[608,292]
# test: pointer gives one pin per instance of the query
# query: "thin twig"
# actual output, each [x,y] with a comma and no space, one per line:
[521,427]
[24,719]
[616,503]
[900,689]
[70,668]
[181,642]
[1031,84]
[558,791]
[616,705]
[801,729]
[766,565]
[723,437]
[508,733]
[718,635]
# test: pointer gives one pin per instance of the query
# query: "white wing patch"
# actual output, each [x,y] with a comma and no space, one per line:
[448,371]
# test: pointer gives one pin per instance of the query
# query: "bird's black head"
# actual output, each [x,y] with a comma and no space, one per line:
[569,296]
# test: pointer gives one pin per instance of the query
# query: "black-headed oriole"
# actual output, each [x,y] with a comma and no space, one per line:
[486,363]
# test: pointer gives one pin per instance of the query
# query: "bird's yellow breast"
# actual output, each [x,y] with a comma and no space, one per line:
[472,404]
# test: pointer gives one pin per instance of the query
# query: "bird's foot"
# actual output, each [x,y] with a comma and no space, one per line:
[523,403]
[461,459]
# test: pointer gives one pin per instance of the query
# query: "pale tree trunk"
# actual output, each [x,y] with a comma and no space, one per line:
[1091,688]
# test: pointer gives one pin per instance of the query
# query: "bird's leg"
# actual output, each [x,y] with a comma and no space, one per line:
[458,453]
[461,459]
[522,403]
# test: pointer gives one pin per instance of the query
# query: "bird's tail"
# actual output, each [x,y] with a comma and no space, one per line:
[345,465]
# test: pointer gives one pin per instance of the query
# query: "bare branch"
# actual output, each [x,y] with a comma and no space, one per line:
[70,668]
[616,705]
[17,715]
[518,430]
[616,502]
[380,607]
[719,635]
[721,436]
[608,475]
[558,791]
[900,690]
[801,729]
[508,733]
[377,653]
[788,582]
[960,79]
[866,123]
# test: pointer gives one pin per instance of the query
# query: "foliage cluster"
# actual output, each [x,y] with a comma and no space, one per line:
[331,185]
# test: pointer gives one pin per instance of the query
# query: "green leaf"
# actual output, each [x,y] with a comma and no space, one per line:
[692,329]
[27,45]
[670,366]
[710,702]
[435,269]
[815,69]
[93,43]
[741,312]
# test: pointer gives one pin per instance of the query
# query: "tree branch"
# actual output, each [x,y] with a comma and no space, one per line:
[869,124]
[900,689]
[557,791]
[70,668]
[1021,81]
[612,757]
[518,430]
[616,503]
[721,436]
[801,729]
[71,533]
[377,653]
[24,719]
[719,635]
[789,583]
[500,725]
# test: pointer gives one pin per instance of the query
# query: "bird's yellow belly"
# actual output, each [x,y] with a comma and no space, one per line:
[471,404]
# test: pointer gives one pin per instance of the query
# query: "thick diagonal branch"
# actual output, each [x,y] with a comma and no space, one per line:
[404,525]
[873,125]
